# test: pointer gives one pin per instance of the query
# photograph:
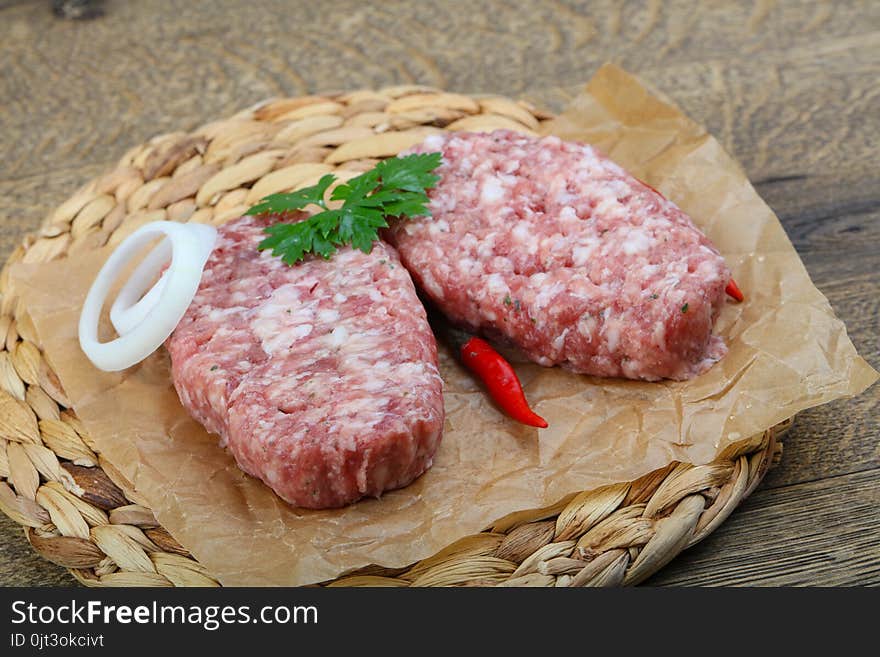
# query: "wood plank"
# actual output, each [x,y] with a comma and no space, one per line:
[821,533]
[804,111]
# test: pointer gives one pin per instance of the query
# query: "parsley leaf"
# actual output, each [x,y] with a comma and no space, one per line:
[395,187]
[297,200]
[412,173]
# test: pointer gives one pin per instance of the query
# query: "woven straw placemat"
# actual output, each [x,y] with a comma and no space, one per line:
[78,512]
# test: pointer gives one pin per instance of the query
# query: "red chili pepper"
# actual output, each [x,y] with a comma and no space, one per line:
[501,381]
[733,290]
[488,365]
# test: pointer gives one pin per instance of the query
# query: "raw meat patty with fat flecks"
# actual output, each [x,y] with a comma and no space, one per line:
[554,248]
[321,378]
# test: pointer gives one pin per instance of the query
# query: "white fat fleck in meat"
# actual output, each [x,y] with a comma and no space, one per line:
[611,332]
[546,295]
[511,165]
[300,332]
[222,314]
[486,248]
[586,326]
[282,319]
[438,227]
[467,264]
[559,245]
[431,285]
[492,192]
[658,335]
[338,336]
[611,208]
[496,284]
[559,341]
[328,315]
[580,255]
[707,272]
[522,233]
[567,213]
[637,241]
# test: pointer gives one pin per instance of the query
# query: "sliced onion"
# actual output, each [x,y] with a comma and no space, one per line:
[144,318]
[132,305]
[134,301]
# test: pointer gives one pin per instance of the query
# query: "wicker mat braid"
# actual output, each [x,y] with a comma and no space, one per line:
[80,513]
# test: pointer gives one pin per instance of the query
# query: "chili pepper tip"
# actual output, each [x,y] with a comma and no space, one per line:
[733,290]
[539,422]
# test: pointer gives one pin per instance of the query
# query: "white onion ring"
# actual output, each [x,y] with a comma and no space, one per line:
[144,321]
[132,305]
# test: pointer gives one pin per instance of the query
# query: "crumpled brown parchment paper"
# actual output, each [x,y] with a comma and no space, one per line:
[787,352]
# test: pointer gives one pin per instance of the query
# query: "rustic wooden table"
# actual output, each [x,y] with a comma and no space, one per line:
[790,88]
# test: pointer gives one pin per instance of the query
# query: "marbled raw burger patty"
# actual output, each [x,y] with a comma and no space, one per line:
[555,248]
[320,378]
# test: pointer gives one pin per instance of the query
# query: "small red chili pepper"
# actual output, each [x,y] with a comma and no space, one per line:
[500,379]
[733,290]
[489,366]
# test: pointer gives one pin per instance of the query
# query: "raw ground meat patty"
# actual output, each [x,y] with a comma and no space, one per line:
[321,378]
[555,248]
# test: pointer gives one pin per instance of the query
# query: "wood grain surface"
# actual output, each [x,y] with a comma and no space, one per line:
[790,88]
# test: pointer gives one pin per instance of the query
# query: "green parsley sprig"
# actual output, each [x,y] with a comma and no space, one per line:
[395,187]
